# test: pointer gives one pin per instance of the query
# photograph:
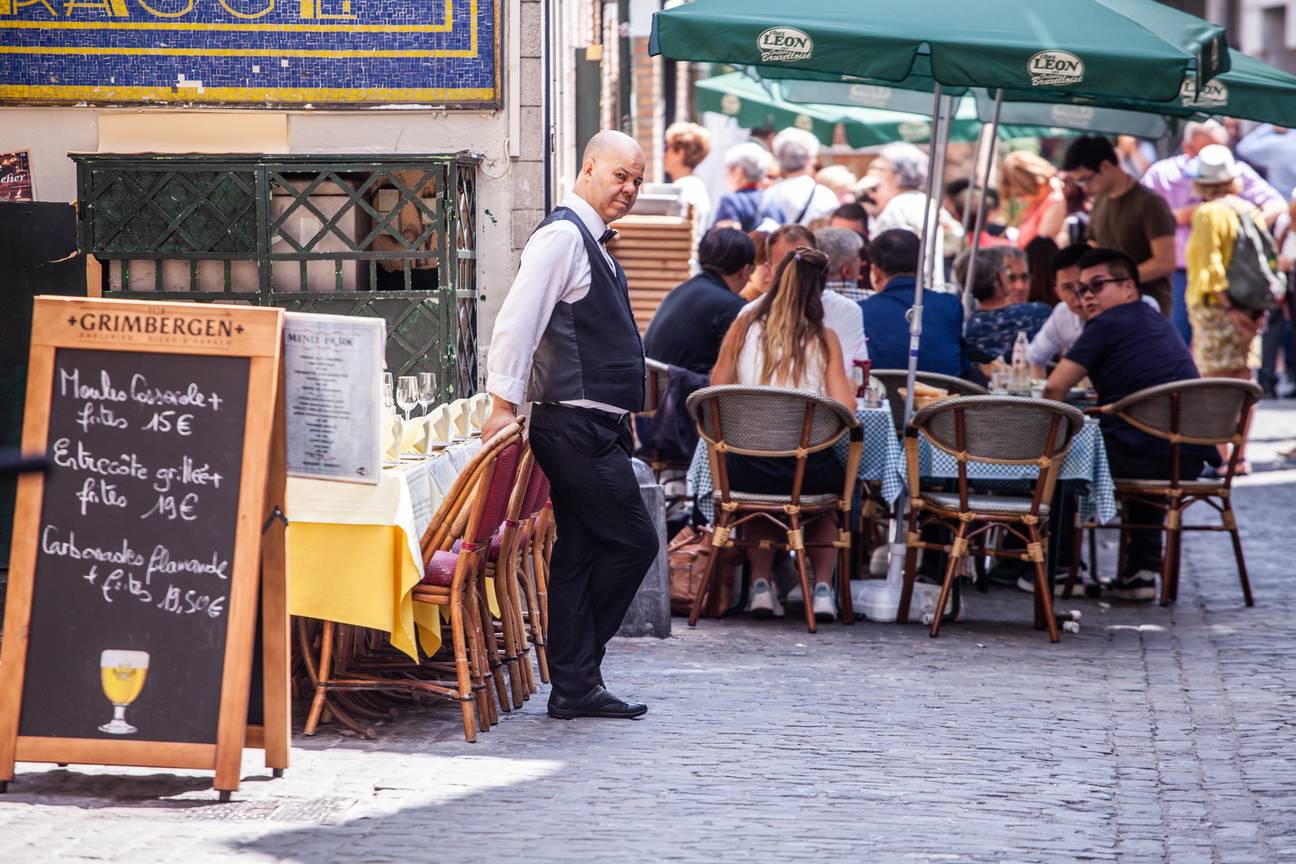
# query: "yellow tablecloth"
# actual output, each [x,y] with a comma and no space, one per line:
[353,549]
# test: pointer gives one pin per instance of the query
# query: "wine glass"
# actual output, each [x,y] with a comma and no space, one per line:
[388,398]
[387,379]
[406,393]
[426,393]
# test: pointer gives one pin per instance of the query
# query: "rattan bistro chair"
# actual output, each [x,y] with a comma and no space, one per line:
[656,383]
[772,423]
[1206,411]
[999,429]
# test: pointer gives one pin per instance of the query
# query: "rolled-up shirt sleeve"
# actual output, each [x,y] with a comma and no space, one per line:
[544,278]
[1048,342]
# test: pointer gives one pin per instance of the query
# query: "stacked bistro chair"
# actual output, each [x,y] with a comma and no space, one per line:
[1204,411]
[348,663]
[772,423]
[469,517]
[997,429]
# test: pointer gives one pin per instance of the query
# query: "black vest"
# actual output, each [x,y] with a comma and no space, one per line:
[591,348]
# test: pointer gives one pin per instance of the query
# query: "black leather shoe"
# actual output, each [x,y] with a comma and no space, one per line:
[599,702]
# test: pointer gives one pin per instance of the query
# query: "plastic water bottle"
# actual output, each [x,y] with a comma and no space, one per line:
[1021,380]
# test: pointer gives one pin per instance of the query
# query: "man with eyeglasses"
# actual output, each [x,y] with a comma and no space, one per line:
[1127,346]
[1126,216]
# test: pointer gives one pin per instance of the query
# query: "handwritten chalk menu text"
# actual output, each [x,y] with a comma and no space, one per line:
[136,545]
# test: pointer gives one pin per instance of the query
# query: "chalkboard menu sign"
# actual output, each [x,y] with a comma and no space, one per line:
[135,565]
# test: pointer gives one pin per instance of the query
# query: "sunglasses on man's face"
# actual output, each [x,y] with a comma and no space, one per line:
[1096,286]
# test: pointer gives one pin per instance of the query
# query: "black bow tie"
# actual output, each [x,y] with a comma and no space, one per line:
[607,236]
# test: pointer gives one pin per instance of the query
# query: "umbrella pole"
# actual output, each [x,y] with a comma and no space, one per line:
[970,194]
[968,301]
[915,313]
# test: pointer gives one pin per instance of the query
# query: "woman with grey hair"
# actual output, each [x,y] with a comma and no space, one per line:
[1000,287]
[899,173]
[746,166]
[797,197]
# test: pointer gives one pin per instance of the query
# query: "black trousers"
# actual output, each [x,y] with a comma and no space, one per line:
[1143,551]
[605,542]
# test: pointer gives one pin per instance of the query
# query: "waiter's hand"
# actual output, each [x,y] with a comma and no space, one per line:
[502,414]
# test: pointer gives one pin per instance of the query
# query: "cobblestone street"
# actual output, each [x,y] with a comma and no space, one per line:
[1152,735]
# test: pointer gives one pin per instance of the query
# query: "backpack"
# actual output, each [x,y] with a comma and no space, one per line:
[1254,281]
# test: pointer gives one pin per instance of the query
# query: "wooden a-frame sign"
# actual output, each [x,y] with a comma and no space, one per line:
[133,595]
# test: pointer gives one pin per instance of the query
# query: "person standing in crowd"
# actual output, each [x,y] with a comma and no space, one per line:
[687,144]
[1126,216]
[689,325]
[797,198]
[1222,331]
[782,340]
[1039,262]
[841,308]
[1033,182]
[1278,335]
[1169,178]
[840,180]
[901,173]
[1272,149]
[1127,346]
[566,325]
[746,165]
[893,256]
[1000,291]
[777,244]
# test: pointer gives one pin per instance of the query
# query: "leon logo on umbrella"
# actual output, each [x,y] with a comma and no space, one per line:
[1055,68]
[784,45]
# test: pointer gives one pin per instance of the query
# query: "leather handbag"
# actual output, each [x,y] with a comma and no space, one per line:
[688,555]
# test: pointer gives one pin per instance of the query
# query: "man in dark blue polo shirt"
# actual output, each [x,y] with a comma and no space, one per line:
[1127,346]
[893,258]
[689,325]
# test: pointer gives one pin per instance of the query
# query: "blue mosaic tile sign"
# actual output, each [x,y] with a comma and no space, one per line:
[252,52]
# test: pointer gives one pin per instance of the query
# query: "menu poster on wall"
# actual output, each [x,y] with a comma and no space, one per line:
[15,176]
[332,372]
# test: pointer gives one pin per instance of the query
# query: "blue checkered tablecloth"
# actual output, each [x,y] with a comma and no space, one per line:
[882,459]
[1086,461]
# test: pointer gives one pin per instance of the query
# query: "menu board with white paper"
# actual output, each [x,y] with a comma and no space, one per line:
[332,373]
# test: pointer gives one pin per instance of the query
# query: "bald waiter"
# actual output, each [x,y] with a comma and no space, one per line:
[566,340]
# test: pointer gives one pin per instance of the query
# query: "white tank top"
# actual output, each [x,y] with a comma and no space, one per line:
[752,355]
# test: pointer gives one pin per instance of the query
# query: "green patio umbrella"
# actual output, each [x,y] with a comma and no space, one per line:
[1140,49]
[737,96]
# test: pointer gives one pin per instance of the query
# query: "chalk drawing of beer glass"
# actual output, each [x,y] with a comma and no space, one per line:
[122,674]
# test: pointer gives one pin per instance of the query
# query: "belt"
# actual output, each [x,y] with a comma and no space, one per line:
[596,412]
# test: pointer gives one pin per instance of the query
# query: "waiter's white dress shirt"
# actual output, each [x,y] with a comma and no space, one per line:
[555,269]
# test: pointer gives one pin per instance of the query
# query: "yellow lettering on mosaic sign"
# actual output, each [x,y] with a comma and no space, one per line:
[112,8]
[237,14]
[149,9]
[21,4]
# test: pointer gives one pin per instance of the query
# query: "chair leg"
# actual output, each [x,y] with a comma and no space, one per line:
[807,596]
[492,652]
[508,630]
[713,565]
[845,603]
[1230,522]
[535,618]
[324,675]
[1168,566]
[477,654]
[463,675]
[910,574]
[1043,594]
[957,553]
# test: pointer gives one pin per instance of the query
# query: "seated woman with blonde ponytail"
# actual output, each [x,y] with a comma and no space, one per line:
[780,340]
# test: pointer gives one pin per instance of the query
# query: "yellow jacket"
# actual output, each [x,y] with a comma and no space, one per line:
[1210,248]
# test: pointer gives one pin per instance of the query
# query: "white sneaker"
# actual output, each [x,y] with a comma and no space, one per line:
[1140,586]
[880,561]
[825,604]
[1027,584]
[762,599]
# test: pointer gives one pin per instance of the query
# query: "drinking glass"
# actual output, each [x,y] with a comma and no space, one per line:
[389,400]
[406,393]
[387,379]
[122,674]
[426,391]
